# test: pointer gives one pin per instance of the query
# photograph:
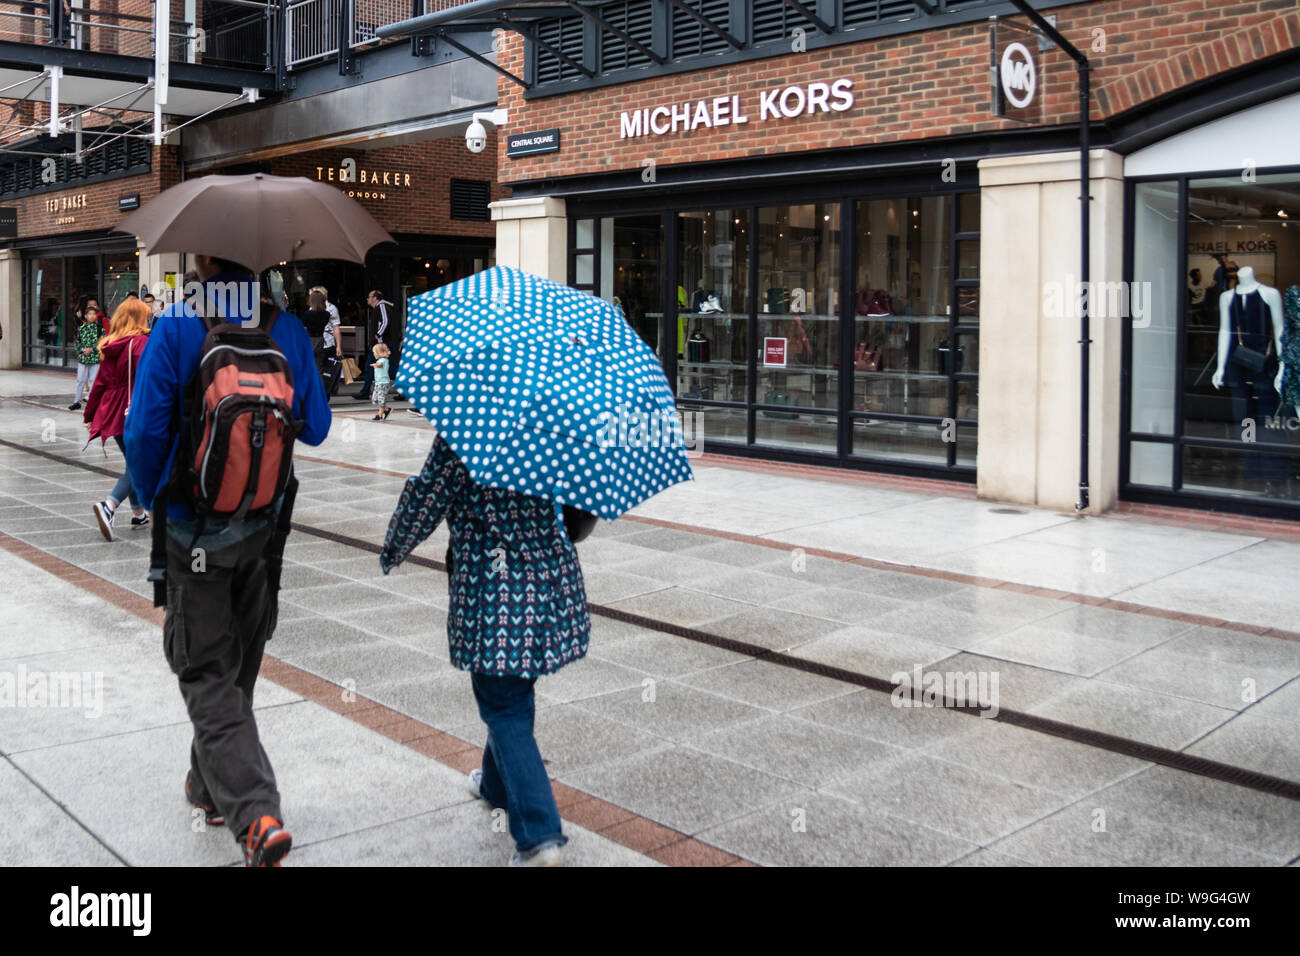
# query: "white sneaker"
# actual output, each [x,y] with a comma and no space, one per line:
[476,784]
[548,854]
[104,515]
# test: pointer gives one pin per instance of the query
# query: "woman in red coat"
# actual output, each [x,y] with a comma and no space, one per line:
[110,398]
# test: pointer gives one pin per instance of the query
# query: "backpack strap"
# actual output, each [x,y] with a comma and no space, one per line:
[158,550]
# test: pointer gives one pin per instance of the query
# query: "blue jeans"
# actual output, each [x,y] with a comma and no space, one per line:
[122,490]
[514,776]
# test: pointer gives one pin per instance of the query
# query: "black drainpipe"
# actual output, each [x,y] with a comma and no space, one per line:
[1085,234]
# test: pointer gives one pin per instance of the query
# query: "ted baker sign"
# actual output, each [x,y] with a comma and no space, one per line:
[781,102]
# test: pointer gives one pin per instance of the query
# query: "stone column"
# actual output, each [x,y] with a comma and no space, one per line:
[153,270]
[1029,329]
[11,308]
[532,235]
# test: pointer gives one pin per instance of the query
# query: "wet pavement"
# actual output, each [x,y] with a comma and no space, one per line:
[746,718]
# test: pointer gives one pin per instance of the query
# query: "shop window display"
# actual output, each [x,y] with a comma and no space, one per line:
[798,340]
[905,353]
[775,346]
[713,306]
[1239,326]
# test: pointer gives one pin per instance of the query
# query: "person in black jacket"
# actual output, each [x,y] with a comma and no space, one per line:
[381,326]
[320,326]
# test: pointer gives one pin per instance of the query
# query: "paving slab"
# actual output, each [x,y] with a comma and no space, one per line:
[335,777]
[653,784]
[1144,715]
[800,751]
[1255,742]
[968,803]
[1086,834]
[38,832]
[767,685]
[461,835]
[669,709]
[827,831]
[1035,759]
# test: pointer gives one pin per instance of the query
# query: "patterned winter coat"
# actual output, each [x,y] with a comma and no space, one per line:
[518,605]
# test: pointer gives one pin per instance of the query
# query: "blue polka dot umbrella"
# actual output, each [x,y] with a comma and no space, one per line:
[544,390]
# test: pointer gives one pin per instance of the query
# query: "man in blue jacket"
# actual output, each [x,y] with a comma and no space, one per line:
[220,609]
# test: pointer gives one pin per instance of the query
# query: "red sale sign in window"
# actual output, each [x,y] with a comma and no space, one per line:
[774,351]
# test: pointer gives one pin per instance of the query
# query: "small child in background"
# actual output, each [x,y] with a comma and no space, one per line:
[379,393]
[89,332]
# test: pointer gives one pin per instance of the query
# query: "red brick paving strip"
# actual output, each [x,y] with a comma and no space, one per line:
[612,822]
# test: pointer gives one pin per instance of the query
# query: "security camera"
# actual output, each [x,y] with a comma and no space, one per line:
[476,137]
[476,133]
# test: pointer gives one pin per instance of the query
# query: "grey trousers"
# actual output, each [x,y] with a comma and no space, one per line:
[220,614]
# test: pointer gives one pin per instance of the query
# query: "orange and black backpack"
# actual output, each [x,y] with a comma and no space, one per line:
[237,424]
[237,429]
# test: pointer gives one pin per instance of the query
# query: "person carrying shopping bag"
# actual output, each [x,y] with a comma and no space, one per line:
[518,611]
[110,400]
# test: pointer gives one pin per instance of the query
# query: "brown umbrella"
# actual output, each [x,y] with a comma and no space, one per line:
[257,220]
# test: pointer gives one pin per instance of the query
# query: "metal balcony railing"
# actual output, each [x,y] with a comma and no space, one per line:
[238,33]
[311,31]
[315,28]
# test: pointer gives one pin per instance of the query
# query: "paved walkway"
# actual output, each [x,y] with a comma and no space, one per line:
[710,735]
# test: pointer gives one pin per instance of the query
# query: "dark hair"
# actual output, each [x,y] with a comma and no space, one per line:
[226,265]
[377,294]
[148,296]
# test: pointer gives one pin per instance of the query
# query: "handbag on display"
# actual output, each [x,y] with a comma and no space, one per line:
[697,347]
[775,397]
[947,359]
[874,302]
[867,357]
[1249,359]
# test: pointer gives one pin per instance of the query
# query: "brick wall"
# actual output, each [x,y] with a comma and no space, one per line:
[93,206]
[424,207]
[916,86]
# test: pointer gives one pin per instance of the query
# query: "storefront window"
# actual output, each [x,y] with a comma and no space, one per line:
[637,248]
[46,335]
[905,351]
[778,348]
[713,305]
[121,275]
[1243,266]
[798,341]
[1230,304]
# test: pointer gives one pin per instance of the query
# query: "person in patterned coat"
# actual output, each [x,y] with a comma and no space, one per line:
[518,611]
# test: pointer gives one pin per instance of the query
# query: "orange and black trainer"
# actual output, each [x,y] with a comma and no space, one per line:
[266,843]
[211,815]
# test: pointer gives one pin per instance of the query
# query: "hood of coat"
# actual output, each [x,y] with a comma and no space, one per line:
[112,351]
